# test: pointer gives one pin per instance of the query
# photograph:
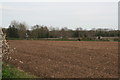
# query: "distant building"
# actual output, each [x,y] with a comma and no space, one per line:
[26,36]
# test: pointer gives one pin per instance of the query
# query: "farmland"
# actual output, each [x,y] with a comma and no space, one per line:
[65,59]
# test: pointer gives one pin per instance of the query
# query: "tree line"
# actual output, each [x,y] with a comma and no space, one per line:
[20,30]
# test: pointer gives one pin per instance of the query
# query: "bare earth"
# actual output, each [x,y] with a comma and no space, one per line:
[66,59]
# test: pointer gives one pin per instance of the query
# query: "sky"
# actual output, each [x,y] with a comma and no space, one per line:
[59,0]
[72,14]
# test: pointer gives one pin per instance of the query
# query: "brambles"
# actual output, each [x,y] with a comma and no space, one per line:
[4,44]
[5,49]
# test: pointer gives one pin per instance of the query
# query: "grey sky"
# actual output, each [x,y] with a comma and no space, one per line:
[62,14]
[59,0]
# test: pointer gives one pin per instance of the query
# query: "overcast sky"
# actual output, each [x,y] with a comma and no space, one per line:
[62,14]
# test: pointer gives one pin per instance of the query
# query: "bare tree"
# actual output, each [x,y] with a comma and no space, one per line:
[22,28]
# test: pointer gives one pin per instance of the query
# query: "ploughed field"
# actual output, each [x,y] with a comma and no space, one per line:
[66,59]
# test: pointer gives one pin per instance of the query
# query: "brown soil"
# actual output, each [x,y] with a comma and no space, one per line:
[66,59]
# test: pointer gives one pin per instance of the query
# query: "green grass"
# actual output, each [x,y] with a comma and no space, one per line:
[9,71]
[14,39]
[61,39]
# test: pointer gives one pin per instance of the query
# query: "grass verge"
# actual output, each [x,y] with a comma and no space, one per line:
[9,71]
